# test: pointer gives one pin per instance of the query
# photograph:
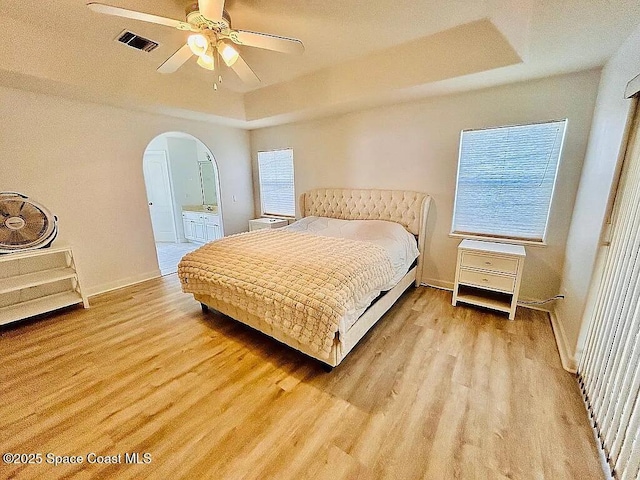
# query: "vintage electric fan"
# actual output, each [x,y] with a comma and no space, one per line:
[24,224]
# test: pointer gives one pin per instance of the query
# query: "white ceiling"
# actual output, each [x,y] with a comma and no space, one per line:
[357,52]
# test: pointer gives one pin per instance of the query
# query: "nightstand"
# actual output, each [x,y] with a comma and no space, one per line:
[259,223]
[488,274]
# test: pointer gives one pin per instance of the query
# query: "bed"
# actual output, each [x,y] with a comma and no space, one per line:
[320,284]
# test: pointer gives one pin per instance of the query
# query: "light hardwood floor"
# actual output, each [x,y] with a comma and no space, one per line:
[432,392]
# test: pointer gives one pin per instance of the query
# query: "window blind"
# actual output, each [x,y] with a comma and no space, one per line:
[277,194]
[506,177]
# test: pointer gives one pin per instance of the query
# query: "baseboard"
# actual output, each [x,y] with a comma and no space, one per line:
[535,304]
[436,283]
[125,282]
[568,361]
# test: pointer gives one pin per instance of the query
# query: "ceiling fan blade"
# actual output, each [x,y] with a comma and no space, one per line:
[175,61]
[267,41]
[211,9]
[145,17]
[245,73]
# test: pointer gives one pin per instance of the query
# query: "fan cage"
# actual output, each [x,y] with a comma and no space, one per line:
[24,224]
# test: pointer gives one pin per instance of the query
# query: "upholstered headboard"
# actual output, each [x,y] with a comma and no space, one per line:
[400,206]
[409,209]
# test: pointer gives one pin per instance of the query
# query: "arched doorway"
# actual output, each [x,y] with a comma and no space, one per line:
[183,192]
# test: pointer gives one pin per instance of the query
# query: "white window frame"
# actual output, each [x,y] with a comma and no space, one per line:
[509,239]
[260,185]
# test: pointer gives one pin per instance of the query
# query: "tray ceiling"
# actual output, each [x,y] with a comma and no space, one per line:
[356,52]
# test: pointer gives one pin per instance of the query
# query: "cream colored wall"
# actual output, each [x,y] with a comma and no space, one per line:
[415,146]
[84,162]
[606,143]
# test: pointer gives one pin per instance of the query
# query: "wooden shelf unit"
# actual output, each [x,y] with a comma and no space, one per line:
[38,281]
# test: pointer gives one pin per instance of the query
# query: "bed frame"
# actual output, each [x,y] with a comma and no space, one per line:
[410,209]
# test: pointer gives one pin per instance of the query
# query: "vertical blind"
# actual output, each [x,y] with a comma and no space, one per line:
[506,177]
[609,370]
[277,193]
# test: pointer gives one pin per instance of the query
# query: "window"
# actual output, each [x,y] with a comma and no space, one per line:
[277,193]
[506,177]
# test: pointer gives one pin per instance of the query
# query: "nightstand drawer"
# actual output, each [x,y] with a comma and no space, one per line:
[485,262]
[487,280]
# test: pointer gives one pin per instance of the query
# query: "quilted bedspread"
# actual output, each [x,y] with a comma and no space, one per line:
[299,283]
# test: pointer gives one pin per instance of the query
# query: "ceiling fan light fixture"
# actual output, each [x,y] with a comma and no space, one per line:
[198,44]
[229,54]
[207,60]
[206,23]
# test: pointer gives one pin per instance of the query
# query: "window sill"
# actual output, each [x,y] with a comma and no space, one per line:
[500,240]
[281,217]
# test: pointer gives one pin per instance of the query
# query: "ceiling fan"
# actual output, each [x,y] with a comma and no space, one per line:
[211,38]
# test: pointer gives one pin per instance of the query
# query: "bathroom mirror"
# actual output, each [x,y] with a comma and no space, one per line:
[208,183]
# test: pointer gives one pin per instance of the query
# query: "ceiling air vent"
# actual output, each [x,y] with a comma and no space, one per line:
[136,41]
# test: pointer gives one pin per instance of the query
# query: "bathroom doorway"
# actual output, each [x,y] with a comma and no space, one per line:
[183,194]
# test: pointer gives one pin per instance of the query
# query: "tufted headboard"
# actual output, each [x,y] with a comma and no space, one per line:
[409,209]
[400,206]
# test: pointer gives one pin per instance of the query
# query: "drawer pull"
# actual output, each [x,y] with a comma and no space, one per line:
[488,263]
[485,280]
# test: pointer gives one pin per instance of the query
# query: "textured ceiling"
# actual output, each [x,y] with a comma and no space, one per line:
[356,52]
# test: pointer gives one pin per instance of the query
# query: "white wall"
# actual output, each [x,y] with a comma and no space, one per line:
[415,146]
[183,156]
[606,143]
[84,162]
